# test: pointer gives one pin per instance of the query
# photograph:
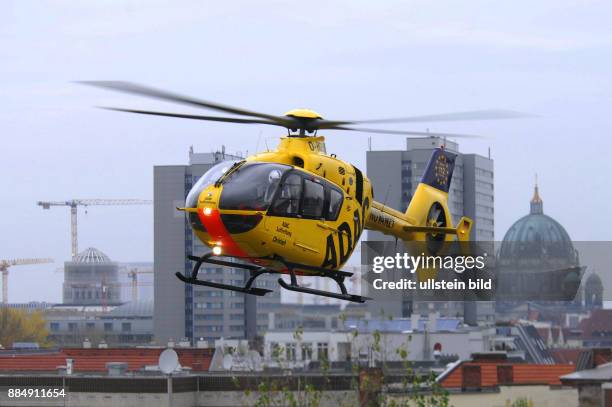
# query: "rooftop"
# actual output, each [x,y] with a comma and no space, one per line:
[402,325]
[483,372]
[95,360]
[138,309]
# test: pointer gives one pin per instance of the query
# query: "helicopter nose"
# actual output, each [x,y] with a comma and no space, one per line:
[221,240]
[196,222]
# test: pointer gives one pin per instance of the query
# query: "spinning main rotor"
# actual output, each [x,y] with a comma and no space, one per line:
[299,122]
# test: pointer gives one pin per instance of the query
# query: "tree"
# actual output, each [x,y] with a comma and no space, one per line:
[21,326]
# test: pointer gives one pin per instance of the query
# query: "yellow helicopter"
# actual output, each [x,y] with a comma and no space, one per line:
[298,210]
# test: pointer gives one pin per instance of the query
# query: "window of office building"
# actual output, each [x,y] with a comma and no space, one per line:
[322,351]
[209,305]
[211,328]
[275,350]
[290,351]
[306,351]
[208,317]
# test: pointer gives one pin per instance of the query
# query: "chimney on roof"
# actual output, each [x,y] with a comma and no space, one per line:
[102,345]
[86,344]
[69,366]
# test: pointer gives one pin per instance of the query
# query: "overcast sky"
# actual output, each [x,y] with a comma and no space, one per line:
[350,59]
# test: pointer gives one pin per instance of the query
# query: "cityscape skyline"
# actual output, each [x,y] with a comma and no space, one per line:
[58,266]
[547,59]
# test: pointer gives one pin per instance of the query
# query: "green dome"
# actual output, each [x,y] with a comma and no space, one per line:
[537,241]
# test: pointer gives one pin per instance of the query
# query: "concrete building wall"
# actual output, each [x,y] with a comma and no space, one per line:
[343,345]
[537,395]
[386,167]
[168,253]
[478,178]
[329,398]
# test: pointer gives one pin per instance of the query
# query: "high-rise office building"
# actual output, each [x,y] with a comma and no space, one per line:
[183,310]
[395,176]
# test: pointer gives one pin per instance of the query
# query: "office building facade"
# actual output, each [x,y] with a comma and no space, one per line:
[189,311]
[395,176]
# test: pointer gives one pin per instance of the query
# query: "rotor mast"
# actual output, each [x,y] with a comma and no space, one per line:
[75,203]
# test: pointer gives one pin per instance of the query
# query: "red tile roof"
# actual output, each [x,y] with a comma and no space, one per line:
[522,374]
[565,356]
[95,360]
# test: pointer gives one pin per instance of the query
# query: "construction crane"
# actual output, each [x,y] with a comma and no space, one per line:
[4,268]
[133,275]
[75,203]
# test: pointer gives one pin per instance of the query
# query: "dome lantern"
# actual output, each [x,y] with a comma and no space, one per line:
[537,206]
[536,239]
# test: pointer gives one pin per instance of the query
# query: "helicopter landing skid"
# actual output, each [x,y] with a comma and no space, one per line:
[339,279]
[255,271]
[248,288]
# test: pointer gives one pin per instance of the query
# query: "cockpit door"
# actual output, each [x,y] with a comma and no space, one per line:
[282,221]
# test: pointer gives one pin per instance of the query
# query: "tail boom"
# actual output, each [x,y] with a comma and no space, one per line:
[428,214]
[395,223]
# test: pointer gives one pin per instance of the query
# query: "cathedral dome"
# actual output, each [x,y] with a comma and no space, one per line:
[537,240]
[91,255]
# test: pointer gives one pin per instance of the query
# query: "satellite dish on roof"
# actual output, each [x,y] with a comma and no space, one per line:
[168,361]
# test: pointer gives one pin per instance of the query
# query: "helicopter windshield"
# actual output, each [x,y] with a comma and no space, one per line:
[210,177]
[252,186]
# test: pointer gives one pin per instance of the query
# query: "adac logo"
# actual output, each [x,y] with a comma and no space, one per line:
[441,170]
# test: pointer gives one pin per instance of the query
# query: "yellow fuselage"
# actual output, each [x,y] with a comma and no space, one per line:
[266,237]
[297,239]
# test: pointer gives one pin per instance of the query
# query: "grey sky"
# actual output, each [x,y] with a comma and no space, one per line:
[349,59]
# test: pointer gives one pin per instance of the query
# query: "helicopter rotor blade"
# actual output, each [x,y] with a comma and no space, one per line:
[491,114]
[294,123]
[194,116]
[407,132]
[129,87]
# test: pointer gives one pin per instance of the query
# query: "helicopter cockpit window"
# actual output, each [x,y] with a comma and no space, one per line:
[251,187]
[206,180]
[287,202]
[335,202]
[314,198]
